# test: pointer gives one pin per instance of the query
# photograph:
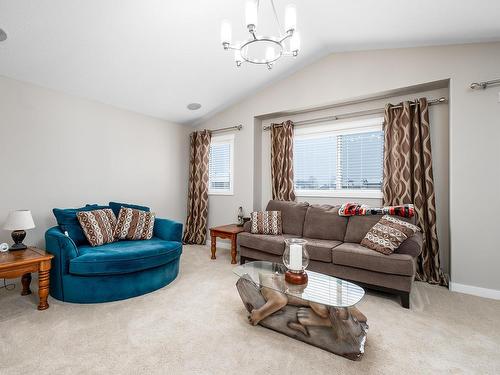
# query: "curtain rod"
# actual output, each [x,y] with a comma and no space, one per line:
[237,127]
[484,85]
[355,114]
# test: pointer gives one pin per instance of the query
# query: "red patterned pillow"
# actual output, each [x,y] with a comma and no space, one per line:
[98,226]
[134,224]
[266,222]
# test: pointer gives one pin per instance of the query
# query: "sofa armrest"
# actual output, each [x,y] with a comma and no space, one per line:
[247,226]
[168,230]
[57,243]
[412,246]
[64,249]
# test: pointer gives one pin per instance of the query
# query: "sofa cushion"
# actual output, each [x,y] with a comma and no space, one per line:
[115,206]
[358,226]
[264,242]
[355,255]
[321,250]
[98,226]
[134,224]
[124,257]
[292,215]
[68,222]
[323,222]
[412,246]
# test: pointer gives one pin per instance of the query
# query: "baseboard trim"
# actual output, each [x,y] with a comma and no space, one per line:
[475,290]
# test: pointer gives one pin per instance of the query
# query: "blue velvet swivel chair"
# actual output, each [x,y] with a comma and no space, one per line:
[84,274]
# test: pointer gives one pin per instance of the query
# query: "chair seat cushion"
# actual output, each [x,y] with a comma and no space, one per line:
[355,255]
[264,242]
[124,257]
[321,250]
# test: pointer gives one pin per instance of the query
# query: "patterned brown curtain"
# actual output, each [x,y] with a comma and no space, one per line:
[408,177]
[282,161]
[197,209]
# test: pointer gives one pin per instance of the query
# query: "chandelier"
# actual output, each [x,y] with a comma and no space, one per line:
[263,50]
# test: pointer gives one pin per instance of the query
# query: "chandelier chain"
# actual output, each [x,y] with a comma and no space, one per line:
[274,46]
[277,18]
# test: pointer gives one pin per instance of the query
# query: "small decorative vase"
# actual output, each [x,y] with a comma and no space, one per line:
[296,260]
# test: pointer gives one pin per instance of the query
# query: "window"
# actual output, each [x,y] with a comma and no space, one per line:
[220,167]
[340,160]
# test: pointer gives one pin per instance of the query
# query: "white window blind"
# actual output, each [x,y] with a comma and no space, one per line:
[342,159]
[220,180]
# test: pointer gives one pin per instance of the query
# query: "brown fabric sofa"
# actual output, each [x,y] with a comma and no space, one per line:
[334,247]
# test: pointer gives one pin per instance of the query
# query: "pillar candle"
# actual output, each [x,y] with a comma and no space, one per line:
[296,257]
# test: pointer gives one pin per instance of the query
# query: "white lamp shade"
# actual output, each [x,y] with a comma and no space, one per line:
[19,220]
[290,17]
[295,41]
[251,10]
[225,32]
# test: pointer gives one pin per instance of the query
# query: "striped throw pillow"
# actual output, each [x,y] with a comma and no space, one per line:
[388,234]
[266,222]
[98,225]
[134,224]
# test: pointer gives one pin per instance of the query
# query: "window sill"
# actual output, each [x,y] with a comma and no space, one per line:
[220,193]
[370,194]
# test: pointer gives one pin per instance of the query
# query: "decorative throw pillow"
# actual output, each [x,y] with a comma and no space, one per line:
[355,209]
[98,225]
[68,222]
[386,236]
[134,224]
[266,222]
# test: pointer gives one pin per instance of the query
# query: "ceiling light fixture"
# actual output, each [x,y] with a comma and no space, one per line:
[264,50]
[3,35]
[193,106]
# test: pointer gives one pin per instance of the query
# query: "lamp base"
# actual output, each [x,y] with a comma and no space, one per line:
[297,278]
[18,237]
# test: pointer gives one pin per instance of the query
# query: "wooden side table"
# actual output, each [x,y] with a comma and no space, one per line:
[20,263]
[226,232]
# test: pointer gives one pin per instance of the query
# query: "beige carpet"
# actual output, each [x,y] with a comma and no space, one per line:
[197,325]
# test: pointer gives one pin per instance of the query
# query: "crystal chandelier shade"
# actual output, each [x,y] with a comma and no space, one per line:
[258,49]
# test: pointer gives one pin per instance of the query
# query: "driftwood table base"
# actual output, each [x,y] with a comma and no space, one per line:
[338,330]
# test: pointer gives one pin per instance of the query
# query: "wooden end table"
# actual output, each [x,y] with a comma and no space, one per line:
[226,232]
[20,263]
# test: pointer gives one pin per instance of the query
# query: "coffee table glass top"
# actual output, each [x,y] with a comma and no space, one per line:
[320,288]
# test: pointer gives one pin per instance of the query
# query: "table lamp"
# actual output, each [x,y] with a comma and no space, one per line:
[17,222]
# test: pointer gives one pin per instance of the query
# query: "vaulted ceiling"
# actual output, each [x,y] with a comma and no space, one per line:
[156,56]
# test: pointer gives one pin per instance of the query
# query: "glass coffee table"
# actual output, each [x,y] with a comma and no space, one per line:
[321,313]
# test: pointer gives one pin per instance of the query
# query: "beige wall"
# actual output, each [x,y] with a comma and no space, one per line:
[61,151]
[438,117]
[474,135]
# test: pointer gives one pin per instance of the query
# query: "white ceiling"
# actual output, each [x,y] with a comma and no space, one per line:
[156,56]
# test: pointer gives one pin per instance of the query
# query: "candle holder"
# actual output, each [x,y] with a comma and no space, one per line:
[296,260]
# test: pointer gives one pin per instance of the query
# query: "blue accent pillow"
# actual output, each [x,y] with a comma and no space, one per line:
[68,222]
[115,206]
